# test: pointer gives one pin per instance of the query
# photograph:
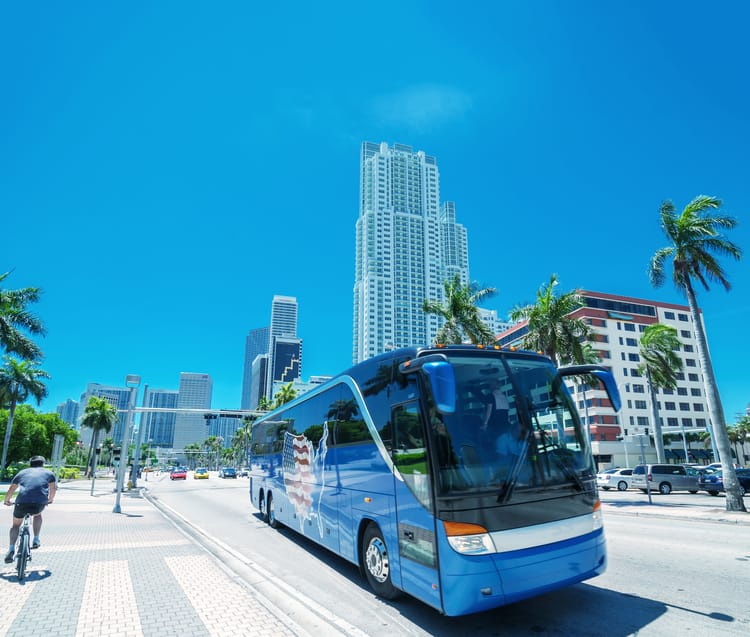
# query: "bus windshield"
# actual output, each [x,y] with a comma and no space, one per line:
[513,430]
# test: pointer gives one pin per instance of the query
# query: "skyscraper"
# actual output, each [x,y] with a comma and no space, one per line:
[406,247]
[158,427]
[284,348]
[256,344]
[283,317]
[118,397]
[194,393]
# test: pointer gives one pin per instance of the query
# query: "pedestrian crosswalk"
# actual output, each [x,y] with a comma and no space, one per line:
[109,603]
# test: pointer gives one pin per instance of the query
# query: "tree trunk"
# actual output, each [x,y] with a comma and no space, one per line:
[6,440]
[716,412]
[658,439]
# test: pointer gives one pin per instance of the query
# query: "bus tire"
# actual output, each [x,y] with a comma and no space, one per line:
[376,563]
[271,513]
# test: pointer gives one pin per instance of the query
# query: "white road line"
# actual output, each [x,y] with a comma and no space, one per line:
[109,586]
[224,607]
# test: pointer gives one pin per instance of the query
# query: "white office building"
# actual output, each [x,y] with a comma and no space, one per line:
[406,246]
[617,323]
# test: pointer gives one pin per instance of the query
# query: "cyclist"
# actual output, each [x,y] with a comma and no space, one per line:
[37,488]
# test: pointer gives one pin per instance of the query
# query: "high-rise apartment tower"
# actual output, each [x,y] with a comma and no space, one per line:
[406,247]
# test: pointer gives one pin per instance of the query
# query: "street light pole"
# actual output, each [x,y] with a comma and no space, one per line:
[137,455]
[131,381]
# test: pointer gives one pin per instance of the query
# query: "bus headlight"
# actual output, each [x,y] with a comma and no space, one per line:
[468,539]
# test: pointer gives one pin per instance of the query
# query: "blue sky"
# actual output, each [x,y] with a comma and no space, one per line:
[166,168]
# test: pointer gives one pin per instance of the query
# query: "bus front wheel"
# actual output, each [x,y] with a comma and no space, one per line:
[262,506]
[376,562]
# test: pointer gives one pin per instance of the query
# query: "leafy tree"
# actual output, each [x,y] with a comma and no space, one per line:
[16,319]
[98,415]
[213,446]
[551,329]
[263,404]
[660,365]
[192,453]
[19,380]
[285,394]
[460,313]
[695,237]
[34,432]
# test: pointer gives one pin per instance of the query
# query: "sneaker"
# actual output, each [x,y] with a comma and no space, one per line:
[9,556]
[36,544]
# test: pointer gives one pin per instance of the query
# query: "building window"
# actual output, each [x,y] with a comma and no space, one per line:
[687,422]
[669,315]
[640,404]
[683,317]
[682,391]
[634,357]
[695,391]
[690,362]
[687,348]
[669,405]
[631,342]
[642,421]
[686,334]
[697,406]
[684,406]
[700,422]
[639,389]
[630,327]
[672,422]
[693,377]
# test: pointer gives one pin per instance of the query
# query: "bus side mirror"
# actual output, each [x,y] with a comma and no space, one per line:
[443,385]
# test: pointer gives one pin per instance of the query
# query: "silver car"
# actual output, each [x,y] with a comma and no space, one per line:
[619,479]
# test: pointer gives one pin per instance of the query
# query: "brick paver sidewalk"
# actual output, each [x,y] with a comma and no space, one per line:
[100,573]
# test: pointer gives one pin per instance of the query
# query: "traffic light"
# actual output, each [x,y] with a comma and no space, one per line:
[98,450]
[116,453]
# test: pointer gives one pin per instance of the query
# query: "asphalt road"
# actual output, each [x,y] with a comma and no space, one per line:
[666,576]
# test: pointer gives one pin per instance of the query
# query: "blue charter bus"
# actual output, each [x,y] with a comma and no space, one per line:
[460,475]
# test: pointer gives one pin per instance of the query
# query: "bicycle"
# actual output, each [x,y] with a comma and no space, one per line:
[23,548]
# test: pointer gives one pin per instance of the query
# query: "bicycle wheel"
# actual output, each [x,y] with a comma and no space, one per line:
[23,556]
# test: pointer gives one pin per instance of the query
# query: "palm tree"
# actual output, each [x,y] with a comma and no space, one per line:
[460,313]
[660,365]
[695,236]
[99,415]
[19,380]
[264,404]
[15,319]
[551,330]
[285,394]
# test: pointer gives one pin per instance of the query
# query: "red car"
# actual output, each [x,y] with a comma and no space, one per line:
[178,473]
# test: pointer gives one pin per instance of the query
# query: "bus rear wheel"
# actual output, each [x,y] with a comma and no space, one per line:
[376,563]
[271,513]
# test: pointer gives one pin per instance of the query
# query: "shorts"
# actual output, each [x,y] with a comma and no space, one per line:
[32,508]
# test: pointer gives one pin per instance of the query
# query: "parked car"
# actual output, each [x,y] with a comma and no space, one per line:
[665,478]
[227,472]
[201,473]
[244,473]
[619,479]
[178,473]
[714,482]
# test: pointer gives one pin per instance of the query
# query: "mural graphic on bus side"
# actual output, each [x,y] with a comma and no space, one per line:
[303,468]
